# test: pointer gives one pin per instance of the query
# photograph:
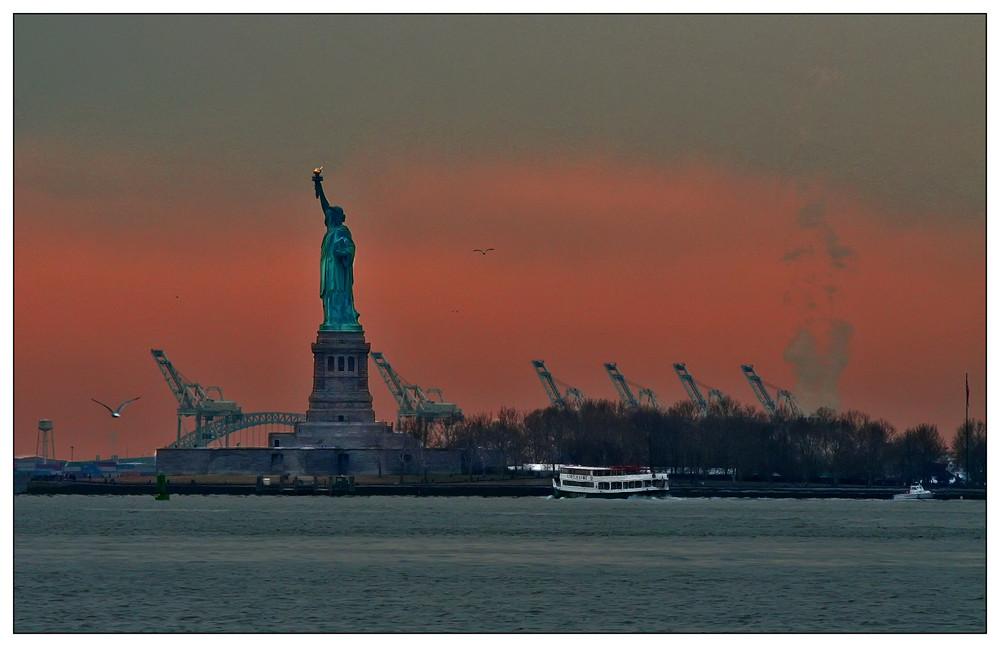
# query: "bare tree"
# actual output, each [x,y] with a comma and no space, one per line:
[805,447]
[504,435]
[871,440]
[547,431]
[969,446]
[446,433]
[468,438]
[916,451]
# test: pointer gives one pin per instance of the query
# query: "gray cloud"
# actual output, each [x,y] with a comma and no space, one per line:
[799,252]
[812,215]
[890,106]
[818,350]
[819,353]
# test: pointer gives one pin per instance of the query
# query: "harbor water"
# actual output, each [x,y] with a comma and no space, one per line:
[235,564]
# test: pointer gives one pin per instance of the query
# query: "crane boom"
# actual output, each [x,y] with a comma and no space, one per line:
[548,382]
[192,399]
[692,388]
[758,388]
[394,382]
[188,393]
[621,385]
[573,398]
[411,400]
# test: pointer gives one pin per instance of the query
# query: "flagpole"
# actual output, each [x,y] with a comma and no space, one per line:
[968,475]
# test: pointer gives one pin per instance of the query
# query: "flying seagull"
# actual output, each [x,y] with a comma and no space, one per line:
[483,251]
[116,413]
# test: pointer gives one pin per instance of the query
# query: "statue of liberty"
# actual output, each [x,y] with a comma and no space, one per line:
[336,268]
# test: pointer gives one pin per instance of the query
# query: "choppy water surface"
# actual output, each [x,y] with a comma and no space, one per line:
[403,564]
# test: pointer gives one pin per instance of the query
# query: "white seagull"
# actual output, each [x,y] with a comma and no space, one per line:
[117,413]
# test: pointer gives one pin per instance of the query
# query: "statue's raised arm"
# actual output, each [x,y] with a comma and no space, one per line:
[318,181]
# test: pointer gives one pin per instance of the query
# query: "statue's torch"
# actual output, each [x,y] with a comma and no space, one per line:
[317,178]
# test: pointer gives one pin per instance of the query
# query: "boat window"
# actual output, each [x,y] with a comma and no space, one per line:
[603,485]
[617,485]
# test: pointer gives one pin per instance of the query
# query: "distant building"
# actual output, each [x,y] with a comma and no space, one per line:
[38,468]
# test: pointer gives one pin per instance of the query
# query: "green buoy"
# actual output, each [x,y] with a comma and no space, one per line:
[161,488]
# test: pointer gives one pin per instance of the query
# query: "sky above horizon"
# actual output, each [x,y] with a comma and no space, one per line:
[803,193]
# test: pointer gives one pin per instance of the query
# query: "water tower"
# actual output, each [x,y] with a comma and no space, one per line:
[45,446]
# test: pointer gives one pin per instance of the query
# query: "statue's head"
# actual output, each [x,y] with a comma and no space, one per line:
[334,216]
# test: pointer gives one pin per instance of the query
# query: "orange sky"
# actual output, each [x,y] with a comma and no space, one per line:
[594,262]
[805,193]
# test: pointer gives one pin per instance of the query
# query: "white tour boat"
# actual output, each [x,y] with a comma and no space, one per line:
[618,482]
[916,491]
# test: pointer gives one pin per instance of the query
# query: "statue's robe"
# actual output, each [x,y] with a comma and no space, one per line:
[336,279]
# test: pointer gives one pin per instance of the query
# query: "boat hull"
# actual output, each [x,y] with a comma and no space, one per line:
[560,493]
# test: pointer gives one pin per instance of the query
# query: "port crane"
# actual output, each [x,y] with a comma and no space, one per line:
[771,405]
[572,399]
[216,418]
[192,399]
[691,386]
[646,397]
[412,401]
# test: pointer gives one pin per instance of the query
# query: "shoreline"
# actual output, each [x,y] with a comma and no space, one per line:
[513,488]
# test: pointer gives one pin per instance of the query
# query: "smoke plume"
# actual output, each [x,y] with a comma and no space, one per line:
[819,347]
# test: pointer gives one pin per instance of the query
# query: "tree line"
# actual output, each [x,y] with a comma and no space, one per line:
[731,440]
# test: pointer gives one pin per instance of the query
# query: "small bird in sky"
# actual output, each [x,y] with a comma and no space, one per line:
[483,251]
[117,413]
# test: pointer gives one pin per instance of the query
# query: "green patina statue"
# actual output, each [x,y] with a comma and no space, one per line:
[336,269]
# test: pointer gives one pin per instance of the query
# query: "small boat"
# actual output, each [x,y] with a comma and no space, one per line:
[617,482]
[916,491]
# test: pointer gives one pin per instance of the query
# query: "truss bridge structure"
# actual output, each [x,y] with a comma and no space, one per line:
[217,422]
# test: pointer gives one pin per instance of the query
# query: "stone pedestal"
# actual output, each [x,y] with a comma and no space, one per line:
[340,407]
[340,378]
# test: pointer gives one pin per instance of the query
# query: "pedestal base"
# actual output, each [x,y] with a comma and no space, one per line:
[373,435]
